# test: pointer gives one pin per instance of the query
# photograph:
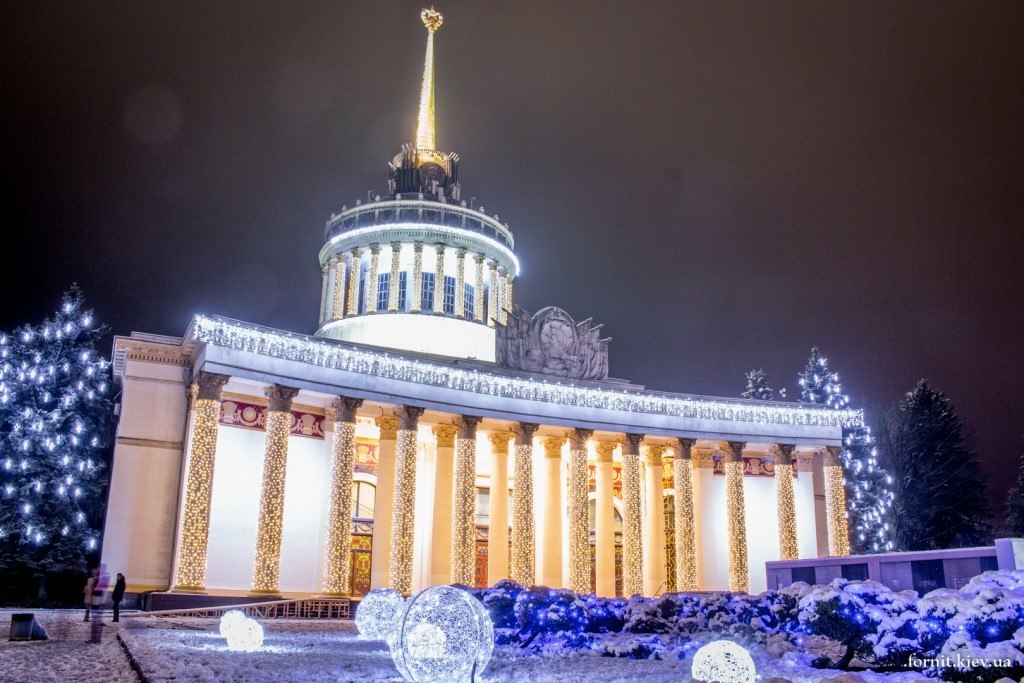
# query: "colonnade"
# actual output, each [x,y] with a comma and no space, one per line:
[453,521]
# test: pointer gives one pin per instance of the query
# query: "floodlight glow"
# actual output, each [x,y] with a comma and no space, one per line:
[725,662]
[245,635]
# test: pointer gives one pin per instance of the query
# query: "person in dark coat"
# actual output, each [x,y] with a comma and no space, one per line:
[118,595]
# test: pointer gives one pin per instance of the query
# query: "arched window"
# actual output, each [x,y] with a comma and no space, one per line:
[363,494]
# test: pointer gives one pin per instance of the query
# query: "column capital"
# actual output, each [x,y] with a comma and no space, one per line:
[493,265]
[357,252]
[686,445]
[345,408]
[578,438]
[654,455]
[736,451]
[396,246]
[605,449]
[553,446]
[502,271]
[409,416]
[499,441]
[388,427]
[460,253]
[445,435]
[333,261]
[417,247]
[280,397]
[832,455]
[632,444]
[210,384]
[439,248]
[479,258]
[468,425]
[374,249]
[786,453]
[525,432]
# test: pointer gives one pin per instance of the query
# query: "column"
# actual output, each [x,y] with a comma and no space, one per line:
[416,293]
[604,540]
[836,523]
[502,280]
[338,295]
[352,307]
[464,507]
[195,524]
[497,535]
[460,286]
[632,557]
[266,571]
[654,551]
[524,555]
[441,528]
[506,289]
[371,279]
[551,568]
[739,573]
[686,530]
[786,501]
[808,544]
[478,292]
[576,503]
[439,279]
[327,293]
[404,501]
[380,559]
[396,271]
[492,294]
[338,561]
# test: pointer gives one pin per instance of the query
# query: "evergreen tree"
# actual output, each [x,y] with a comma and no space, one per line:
[757,386]
[53,424]
[940,493]
[869,496]
[1015,505]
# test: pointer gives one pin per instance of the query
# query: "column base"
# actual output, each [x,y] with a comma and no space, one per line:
[265,594]
[330,596]
[190,590]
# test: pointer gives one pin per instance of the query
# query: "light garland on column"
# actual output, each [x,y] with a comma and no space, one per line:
[338,564]
[371,280]
[686,528]
[415,300]
[835,505]
[439,279]
[195,526]
[632,549]
[524,553]
[403,518]
[464,504]
[654,551]
[337,295]
[576,504]
[502,279]
[460,283]
[492,294]
[507,292]
[739,572]
[478,293]
[394,280]
[266,573]
[352,307]
[786,501]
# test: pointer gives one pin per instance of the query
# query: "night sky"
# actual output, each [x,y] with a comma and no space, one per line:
[723,185]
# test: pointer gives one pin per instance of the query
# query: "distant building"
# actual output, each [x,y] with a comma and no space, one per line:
[430,432]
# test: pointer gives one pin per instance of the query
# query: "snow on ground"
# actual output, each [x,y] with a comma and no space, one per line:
[67,656]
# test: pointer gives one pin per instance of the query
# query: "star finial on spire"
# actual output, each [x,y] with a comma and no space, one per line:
[432,19]
[425,124]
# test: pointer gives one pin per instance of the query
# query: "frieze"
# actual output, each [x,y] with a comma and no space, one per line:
[753,465]
[550,342]
[245,415]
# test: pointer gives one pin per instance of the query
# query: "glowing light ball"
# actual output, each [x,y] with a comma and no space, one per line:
[230,619]
[378,613]
[444,634]
[725,662]
[245,636]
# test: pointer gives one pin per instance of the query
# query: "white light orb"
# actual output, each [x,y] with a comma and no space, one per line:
[245,636]
[230,619]
[723,661]
[444,634]
[378,613]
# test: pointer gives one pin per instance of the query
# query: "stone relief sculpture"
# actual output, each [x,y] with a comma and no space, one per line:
[552,343]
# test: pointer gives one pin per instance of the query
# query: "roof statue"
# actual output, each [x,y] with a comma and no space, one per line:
[550,342]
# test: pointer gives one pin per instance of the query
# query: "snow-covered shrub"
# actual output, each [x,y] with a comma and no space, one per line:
[651,647]
[965,660]
[500,601]
[606,615]
[548,610]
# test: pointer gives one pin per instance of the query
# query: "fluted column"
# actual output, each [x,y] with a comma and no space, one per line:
[604,540]
[441,526]
[686,530]
[497,534]
[786,501]
[371,279]
[395,277]
[380,559]
[460,284]
[464,508]
[266,572]
[551,567]
[739,572]
[327,292]
[492,294]
[352,307]
[576,503]
[202,451]
[338,561]
[632,553]
[439,279]
[836,524]
[654,551]
[524,557]
[404,501]
[416,288]
[478,291]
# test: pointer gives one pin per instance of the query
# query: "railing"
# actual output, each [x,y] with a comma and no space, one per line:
[298,608]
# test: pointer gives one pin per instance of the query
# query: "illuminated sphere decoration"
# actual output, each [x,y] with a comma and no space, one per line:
[230,619]
[725,662]
[245,636]
[444,634]
[378,614]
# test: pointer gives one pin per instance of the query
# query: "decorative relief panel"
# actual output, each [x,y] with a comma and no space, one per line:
[247,415]
[753,466]
[552,343]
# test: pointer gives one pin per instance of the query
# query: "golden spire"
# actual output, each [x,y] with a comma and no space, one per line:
[425,124]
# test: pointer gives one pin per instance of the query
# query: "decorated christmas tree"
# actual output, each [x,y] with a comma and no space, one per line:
[757,386]
[54,413]
[869,487]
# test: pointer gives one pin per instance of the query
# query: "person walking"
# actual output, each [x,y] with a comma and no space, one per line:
[90,584]
[118,595]
[99,596]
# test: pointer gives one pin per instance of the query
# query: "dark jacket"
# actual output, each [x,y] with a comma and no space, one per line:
[118,590]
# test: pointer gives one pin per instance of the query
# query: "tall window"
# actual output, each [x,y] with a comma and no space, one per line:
[363,494]
[403,281]
[383,283]
[449,295]
[483,506]
[427,300]
[470,301]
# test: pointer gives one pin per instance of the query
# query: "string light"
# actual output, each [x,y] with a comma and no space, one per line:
[576,503]
[403,518]
[230,619]
[245,635]
[464,504]
[379,614]
[686,531]
[632,551]
[266,573]
[654,550]
[723,661]
[739,573]
[835,507]
[339,533]
[786,501]
[524,555]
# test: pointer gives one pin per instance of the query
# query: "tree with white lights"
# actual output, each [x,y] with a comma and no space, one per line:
[757,386]
[870,498]
[54,413]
